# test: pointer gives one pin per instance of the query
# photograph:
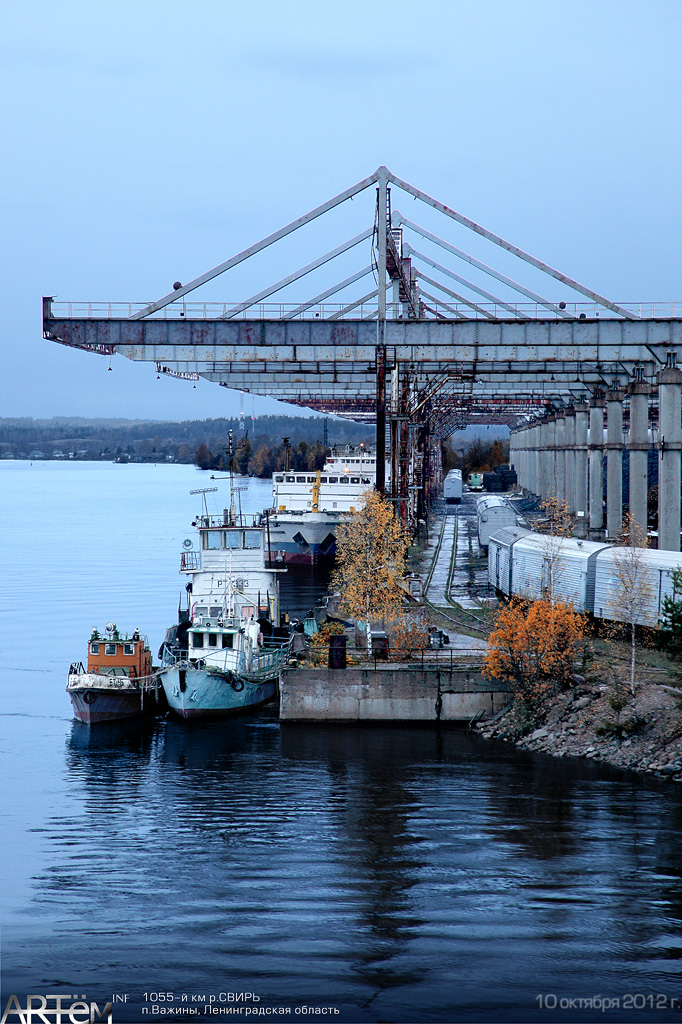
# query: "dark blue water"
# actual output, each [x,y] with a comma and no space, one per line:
[394,874]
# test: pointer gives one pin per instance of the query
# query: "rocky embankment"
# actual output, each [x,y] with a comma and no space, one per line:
[644,736]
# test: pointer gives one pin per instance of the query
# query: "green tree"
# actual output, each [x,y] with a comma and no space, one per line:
[203,457]
[242,456]
[671,620]
[263,462]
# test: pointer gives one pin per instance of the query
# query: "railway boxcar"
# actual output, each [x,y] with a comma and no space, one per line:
[494,514]
[500,558]
[452,487]
[527,559]
[658,569]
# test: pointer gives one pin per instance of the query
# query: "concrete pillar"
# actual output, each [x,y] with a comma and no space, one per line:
[560,457]
[551,456]
[526,457]
[581,414]
[518,456]
[669,445]
[533,433]
[596,463]
[569,458]
[397,308]
[542,459]
[638,447]
[548,458]
[614,466]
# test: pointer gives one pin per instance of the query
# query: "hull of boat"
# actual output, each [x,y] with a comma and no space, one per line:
[91,706]
[92,703]
[196,693]
[304,538]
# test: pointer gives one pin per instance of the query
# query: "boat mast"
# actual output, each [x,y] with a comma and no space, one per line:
[230,453]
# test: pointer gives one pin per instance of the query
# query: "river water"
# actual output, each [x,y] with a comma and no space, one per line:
[391,874]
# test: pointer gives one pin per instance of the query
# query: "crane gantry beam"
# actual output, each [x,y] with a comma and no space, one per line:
[386,352]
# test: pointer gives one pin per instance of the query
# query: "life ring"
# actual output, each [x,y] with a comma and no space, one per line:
[237,685]
[89,697]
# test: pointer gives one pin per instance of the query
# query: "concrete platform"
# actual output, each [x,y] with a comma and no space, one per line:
[388,693]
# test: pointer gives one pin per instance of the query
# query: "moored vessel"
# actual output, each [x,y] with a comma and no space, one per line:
[224,654]
[309,506]
[119,680]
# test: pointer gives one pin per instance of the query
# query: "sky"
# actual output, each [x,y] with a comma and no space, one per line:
[144,143]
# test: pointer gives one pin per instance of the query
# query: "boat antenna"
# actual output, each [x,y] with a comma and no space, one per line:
[204,491]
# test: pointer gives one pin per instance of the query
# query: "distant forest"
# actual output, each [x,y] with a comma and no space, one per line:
[258,442]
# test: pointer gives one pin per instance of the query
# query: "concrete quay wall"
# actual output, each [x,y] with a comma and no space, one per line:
[388,693]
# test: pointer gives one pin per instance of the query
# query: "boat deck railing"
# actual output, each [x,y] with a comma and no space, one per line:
[262,664]
[110,682]
[266,662]
[239,521]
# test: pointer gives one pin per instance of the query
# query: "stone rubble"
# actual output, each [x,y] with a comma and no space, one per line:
[572,729]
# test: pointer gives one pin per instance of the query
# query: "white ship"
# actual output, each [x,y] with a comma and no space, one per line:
[224,655]
[308,506]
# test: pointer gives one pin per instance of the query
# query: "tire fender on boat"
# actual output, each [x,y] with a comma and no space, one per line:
[237,685]
[89,697]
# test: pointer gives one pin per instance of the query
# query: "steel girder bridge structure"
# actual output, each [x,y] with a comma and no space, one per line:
[419,355]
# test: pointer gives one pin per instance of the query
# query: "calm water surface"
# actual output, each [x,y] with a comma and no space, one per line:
[395,874]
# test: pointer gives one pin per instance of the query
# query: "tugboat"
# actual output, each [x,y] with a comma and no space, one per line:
[224,655]
[119,681]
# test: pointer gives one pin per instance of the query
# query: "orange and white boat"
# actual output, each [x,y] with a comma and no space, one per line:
[119,681]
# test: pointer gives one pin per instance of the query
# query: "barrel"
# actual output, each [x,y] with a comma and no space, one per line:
[337,651]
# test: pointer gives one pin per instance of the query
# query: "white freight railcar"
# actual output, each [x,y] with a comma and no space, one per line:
[500,558]
[452,487]
[565,564]
[536,562]
[494,513]
[586,573]
[656,571]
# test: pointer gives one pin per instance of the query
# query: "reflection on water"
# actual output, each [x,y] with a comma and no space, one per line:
[398,874]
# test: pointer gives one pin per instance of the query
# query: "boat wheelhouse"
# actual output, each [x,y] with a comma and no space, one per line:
[224,655]
[119,681]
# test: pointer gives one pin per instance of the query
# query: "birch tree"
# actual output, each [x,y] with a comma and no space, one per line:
[370,562]
[632,594]
[556,528]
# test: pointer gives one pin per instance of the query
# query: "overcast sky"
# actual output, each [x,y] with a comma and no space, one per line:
[146,142]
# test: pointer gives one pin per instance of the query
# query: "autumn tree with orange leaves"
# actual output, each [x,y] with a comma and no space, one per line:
[534,647]
[370,562]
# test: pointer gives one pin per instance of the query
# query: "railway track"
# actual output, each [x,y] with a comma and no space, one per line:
[450,578]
